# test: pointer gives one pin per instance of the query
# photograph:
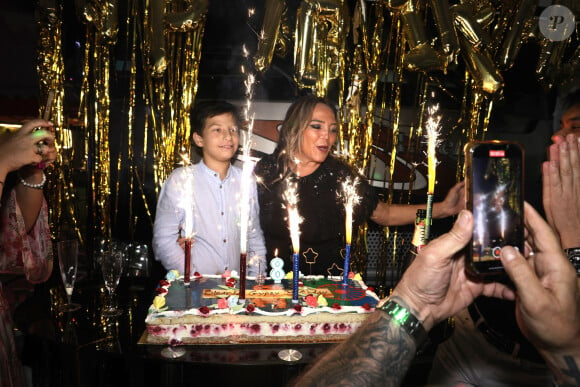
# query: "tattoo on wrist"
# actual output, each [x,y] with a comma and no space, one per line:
[571,374]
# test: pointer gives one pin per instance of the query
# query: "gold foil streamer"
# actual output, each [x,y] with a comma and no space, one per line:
[171,95]
[50,69]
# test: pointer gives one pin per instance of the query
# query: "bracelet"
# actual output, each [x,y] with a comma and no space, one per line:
[31,185]
[406,320]
[574,258]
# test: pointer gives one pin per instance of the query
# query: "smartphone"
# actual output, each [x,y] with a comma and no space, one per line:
[494,174]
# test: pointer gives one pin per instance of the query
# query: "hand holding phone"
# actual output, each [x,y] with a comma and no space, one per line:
[494,172]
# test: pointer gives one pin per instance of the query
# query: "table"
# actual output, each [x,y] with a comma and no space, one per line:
[91,350]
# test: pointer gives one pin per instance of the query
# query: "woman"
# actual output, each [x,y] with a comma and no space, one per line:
[25,248]
[307,136]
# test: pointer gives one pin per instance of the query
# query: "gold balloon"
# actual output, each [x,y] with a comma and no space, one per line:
[414,26]
[188,19]
[444,23]
[515,34]
[467,25]
[321,31]
[481,67]
[485,16]
[421,56]
[425,58]
[269,34]
[395,5]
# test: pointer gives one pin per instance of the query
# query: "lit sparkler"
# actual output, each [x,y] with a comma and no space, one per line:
[294,220]
[432,128]
[247,169]
[350,200]
[188,217]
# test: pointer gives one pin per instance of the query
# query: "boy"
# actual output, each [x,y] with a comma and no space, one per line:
[203,201]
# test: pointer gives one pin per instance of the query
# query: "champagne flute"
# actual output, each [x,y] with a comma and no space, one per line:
[112,267]
[68,252]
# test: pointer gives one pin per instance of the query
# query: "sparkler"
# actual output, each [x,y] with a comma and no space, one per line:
[247,168]
[189,211]
[432,128]
[350,199]
[294,220]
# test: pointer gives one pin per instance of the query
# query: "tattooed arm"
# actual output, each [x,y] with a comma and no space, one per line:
[362,360]
[433,288]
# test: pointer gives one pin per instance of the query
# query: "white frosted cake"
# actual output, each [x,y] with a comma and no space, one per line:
[209,311]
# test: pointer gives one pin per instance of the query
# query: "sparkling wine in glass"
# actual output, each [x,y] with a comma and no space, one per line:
[68,252]
[112,267]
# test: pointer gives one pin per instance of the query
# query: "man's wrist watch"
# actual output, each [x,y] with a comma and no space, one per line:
[574,257]
[403,317]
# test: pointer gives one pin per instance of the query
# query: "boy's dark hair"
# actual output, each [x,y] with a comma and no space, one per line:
[203,110]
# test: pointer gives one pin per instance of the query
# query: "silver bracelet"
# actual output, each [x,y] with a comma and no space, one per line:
[31,185]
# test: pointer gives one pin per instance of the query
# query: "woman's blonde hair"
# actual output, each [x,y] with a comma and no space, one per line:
[292,129]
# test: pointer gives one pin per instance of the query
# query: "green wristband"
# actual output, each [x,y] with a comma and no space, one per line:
[403,317]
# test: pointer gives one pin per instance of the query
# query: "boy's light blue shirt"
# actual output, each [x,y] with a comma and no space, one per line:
[195,194]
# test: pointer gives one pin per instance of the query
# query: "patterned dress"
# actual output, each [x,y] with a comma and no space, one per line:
[25,259]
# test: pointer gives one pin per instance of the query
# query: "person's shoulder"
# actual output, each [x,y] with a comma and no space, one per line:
[339,165]
[180,172]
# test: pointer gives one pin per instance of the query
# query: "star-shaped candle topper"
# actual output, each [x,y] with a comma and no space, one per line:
[310,256]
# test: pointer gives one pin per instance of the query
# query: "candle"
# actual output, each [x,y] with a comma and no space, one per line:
[350,199]
[432,126]
[187,265]
[277,272]
[248,167]
[242,293]
[294,220]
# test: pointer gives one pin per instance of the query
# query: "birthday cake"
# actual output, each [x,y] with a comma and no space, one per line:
[209,310]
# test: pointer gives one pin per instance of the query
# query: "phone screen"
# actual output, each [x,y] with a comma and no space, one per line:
[494,181]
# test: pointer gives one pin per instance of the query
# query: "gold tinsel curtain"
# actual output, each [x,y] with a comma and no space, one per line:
[364,54]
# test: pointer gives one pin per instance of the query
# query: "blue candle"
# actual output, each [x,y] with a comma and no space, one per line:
[295,275]
[346,264]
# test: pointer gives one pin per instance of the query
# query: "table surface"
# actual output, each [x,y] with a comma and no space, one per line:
[93,350]
[90,350]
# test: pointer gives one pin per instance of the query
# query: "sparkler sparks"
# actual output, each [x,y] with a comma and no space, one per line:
[350,198]
[294,219]
[432,127]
